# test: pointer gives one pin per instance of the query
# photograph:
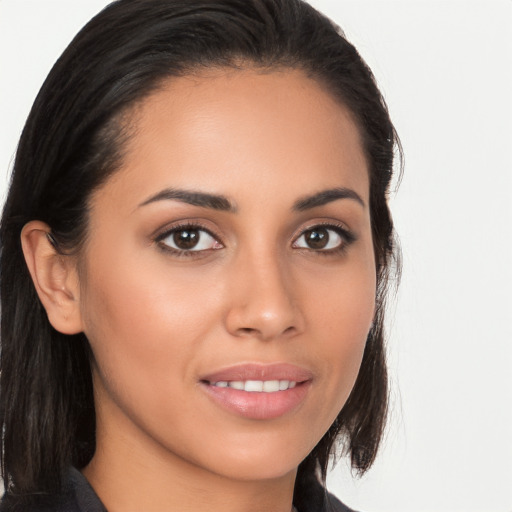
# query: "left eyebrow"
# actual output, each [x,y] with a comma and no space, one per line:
[202,199]
[325,197]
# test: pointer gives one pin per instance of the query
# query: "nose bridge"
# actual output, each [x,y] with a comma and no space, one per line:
[263,302]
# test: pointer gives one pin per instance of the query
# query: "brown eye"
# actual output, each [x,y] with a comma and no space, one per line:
[320,238]
[317,238]
[189,239]
[186,239]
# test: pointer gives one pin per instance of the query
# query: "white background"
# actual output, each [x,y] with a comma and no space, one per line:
[445,70]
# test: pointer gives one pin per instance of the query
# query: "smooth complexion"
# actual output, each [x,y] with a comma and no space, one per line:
[231,251]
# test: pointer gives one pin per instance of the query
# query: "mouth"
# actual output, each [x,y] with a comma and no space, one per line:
[258,392]
[256,386]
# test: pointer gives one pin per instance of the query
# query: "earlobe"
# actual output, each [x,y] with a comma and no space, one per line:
[54,276]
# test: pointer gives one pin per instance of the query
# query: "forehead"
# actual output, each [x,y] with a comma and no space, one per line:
[246,129]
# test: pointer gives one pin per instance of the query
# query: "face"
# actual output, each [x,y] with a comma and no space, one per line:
[228,280]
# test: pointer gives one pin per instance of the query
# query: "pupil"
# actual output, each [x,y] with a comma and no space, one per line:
[317,238]
[186,238]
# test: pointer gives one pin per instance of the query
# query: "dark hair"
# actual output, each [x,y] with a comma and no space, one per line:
[73,141]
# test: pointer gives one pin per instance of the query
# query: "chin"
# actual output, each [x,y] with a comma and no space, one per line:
[262,460]
[251,471]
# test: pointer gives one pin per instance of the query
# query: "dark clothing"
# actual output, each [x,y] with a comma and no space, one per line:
[79,496]
[76,496]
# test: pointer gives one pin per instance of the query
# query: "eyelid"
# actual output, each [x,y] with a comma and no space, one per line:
[196,225]
[348,237]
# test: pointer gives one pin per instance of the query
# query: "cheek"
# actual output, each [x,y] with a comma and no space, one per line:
[143,324]
[145,330]
[143,301]
[343,311]
[343,299]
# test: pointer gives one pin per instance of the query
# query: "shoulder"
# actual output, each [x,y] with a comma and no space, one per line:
[333,504]
[76,496]
[37,503]
[314,497]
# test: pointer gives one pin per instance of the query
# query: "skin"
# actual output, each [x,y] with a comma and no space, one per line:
[158,321]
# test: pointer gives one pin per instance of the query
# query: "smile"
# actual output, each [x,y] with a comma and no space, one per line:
[258,391]
[256,386]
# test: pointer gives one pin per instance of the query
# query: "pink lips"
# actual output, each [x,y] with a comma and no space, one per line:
[259,405]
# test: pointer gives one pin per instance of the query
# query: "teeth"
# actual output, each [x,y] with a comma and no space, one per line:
[253,385]
[261,386]
[270,386]
[284,384]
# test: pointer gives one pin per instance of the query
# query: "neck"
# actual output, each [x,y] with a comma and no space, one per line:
[130,473]
[127,487]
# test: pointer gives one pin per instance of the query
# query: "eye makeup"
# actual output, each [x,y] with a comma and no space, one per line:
[188,239]
[193,239]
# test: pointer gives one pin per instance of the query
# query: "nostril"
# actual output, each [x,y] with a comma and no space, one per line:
[247,330]
[250,331]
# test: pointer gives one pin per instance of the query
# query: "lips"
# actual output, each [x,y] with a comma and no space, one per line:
[261,392]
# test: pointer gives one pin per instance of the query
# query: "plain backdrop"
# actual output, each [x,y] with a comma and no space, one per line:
[445,69]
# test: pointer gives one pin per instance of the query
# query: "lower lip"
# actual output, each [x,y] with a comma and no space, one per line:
[258,405]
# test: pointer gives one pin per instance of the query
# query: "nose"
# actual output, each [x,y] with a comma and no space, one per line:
[263,301]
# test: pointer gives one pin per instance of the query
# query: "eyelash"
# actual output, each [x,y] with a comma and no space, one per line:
[182,253]
[347,238]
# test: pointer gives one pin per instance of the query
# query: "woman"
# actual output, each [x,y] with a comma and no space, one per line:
[195,252]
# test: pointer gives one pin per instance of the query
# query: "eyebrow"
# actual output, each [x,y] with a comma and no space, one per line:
[326,196]
[202,199]
[222,203]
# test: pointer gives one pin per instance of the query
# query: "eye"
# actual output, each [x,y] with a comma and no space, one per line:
[188,239]
[323,238]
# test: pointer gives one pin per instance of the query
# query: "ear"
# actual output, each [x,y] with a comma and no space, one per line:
[55,277]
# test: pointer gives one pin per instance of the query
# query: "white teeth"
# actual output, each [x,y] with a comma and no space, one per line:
[253,385]
[270,386]
[258,386]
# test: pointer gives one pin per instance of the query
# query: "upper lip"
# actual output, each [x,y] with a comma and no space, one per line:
[258,371]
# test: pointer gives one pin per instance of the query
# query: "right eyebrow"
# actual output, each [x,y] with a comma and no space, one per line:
[325,197]
[202,199]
